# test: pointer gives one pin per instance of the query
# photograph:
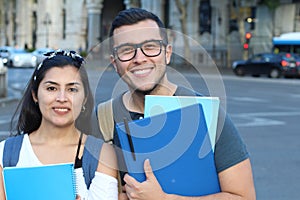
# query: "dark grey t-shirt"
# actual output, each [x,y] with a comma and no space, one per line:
[230,148]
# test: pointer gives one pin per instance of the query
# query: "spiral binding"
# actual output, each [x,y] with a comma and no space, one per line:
[74,180]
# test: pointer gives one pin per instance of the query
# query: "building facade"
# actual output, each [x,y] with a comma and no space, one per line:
[83,24]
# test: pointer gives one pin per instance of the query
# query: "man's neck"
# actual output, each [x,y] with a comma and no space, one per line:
[134,101]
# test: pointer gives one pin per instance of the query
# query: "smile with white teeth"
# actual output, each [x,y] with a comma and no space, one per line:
[61,109]
[142,71]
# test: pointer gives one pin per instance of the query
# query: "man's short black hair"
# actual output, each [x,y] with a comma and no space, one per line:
[133,16]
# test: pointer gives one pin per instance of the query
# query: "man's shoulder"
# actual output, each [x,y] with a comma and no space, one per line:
[184,91]
[116,99]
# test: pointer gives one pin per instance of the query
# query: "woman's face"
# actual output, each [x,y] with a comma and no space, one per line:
[60,96]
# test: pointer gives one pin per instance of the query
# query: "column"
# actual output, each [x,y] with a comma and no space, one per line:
[94,22]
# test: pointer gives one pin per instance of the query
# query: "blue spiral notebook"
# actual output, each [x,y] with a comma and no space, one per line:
[178,147]
[45,182]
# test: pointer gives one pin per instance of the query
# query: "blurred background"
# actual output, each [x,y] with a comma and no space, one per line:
[220,26]
[239,37]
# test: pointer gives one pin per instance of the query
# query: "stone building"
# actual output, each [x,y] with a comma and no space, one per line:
[83,24]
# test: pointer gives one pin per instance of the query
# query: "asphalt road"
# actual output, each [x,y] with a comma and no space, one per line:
[265,111]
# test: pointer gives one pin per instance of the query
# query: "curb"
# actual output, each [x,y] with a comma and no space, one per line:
[15,93]
[8,99]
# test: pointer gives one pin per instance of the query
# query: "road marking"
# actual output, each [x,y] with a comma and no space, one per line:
[248,99]
[261,119]
[4,133]
[4,119]
[295,95]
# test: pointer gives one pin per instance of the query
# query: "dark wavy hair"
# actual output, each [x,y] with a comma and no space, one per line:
[133,16]
[28,114]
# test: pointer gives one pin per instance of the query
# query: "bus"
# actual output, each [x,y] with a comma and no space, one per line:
[287,42]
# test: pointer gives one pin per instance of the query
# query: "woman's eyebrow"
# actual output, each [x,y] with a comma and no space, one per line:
[55,83]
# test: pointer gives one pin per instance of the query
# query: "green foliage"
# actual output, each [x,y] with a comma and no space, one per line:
[271,4]
[83,53]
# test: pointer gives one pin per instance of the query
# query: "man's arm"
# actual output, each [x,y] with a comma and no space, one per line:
[236,183]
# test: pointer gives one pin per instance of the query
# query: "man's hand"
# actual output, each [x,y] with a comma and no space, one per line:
[149,189]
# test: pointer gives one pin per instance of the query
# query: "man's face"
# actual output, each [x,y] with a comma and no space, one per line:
[141,73]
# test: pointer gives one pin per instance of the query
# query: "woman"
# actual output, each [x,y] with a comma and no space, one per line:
[54,120]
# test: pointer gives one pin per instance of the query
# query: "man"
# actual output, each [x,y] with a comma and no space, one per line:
[140,54]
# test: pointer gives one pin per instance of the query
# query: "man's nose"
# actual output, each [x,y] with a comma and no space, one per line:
[139,56]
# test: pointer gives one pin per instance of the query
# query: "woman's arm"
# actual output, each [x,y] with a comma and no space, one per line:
[108,161]
[105,184]
[2,192]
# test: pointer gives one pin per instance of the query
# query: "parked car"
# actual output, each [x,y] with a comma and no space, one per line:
[1,64]
[272,65]
[39,54]
[291,71]
[4,54]
[19,57]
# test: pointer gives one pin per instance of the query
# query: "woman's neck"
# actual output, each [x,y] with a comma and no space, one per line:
[55,135]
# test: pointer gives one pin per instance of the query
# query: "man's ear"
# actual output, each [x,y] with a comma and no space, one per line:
[168,53]
[113,62]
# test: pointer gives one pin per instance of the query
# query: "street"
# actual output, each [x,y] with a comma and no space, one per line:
[265,111]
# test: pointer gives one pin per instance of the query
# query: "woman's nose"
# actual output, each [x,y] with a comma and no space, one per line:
[61,97]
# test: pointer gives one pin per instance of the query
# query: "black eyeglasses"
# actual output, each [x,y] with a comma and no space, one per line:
[150,48]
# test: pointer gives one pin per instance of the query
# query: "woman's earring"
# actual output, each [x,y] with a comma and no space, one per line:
[83,108]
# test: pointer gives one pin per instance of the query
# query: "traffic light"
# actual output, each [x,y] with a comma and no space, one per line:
[246,46]
[248,36]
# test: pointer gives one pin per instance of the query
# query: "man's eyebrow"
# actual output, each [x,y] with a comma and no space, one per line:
[133,44]
[124,44]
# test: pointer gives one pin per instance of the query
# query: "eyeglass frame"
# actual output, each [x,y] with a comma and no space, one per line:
[136,46]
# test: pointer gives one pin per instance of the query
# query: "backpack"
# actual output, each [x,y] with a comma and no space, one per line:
[90,156]
[106,124]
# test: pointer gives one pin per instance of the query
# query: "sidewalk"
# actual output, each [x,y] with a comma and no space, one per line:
[14,93]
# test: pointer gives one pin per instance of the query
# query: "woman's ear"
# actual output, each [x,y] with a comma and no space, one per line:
[84,101]
[34,97]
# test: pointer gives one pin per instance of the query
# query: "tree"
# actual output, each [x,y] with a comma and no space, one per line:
[272,5]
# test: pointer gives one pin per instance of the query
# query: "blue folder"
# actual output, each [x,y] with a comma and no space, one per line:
[174,142]
[156,104]
[45,182]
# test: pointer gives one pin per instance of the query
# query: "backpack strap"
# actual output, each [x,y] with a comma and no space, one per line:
[11,152]
[106,124]
[106,120]
[90,158]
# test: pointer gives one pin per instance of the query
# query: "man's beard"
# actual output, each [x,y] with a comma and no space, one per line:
[146,92]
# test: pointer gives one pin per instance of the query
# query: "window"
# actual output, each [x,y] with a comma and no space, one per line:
[205,17]
[64,23]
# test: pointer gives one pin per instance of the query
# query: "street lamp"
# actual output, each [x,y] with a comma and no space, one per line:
[47,22]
